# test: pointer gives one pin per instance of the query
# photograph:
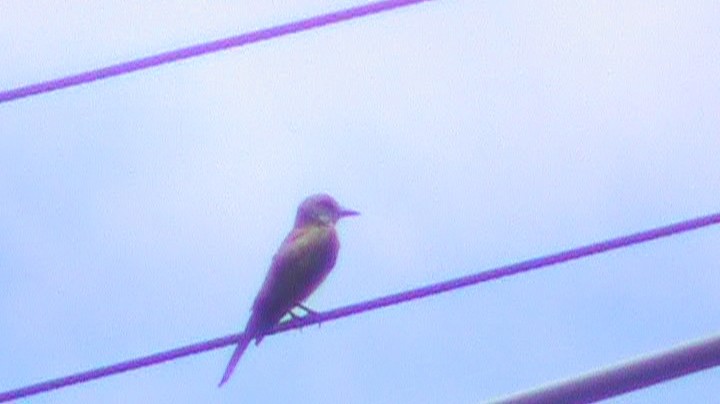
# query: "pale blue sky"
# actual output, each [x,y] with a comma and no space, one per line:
[140,213]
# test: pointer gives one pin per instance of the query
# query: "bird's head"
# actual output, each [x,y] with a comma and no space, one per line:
[321,209]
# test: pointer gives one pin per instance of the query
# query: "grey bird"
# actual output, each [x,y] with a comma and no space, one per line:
[302,262]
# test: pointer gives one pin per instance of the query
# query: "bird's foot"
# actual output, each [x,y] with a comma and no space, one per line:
[310,313]
[294,317]
[307,310]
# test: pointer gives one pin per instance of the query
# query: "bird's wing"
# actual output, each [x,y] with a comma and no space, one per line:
[301,263]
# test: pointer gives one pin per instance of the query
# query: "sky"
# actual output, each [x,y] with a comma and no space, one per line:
[140,213]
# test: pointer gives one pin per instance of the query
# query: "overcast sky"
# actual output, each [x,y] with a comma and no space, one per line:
[140,213]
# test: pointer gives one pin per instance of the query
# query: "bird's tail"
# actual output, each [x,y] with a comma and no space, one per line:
[242,344]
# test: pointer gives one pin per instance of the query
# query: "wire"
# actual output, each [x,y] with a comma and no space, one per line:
[628,376]
[204,48]
[497,273]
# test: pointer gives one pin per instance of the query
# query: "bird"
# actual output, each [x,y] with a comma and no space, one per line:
[301,264]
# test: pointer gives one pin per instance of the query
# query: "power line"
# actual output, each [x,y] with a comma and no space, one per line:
[497,273]
[628,376]
[204,48]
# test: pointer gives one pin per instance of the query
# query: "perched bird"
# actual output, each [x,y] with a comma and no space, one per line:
[301,263]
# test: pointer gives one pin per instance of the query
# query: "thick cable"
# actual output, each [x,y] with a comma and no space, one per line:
[627,377]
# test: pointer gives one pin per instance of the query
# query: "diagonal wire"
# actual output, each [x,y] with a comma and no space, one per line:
[426,291]
[204,48]
[627,377]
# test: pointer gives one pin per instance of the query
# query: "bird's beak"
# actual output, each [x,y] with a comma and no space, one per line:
[348,212]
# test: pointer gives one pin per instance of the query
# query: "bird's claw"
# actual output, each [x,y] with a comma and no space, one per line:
[306,309]
[310,313]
